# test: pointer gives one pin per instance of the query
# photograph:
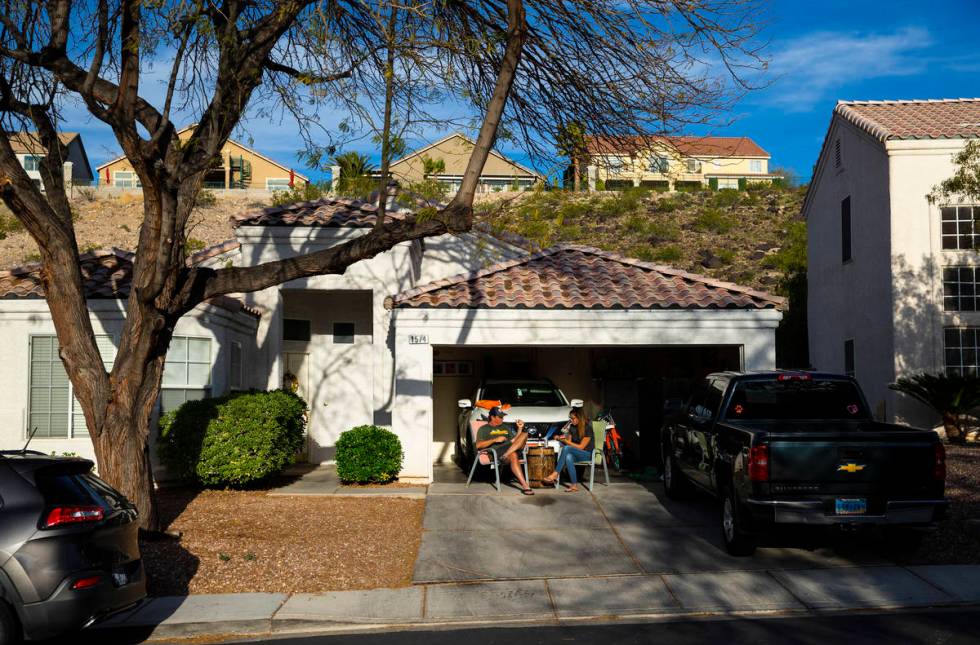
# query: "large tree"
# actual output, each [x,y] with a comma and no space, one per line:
[617,67]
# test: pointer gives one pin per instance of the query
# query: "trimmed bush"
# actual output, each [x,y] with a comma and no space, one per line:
[234,440]
[368,454]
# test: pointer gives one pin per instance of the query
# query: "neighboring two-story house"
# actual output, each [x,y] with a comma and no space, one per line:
[236,167]
[675,163]
[499,173]
[894,285]
[27,146]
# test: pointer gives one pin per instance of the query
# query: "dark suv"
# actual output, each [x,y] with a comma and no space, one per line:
[69,550]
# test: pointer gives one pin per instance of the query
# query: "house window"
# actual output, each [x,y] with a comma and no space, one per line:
[126,179]
[235,376]
[295,329]
[452,368]
[959,227]
[728,182]
[615,165]
[343,333]
[187,372]
[277,184]
[837,155]
[961,350]
[849,357]
[693,165]
[660,164]
[53,409]
[32,162]
[845,229]
[960,289]
[755,165]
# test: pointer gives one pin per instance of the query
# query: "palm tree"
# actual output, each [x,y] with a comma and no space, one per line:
[951,395]
[353,165]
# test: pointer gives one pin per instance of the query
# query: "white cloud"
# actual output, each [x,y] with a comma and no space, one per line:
[818,65]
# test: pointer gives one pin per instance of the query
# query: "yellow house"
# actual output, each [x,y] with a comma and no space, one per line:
[238,167]
[499,173]
[672,163]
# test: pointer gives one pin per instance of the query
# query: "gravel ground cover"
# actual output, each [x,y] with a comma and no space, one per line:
[957,541]
[247,541]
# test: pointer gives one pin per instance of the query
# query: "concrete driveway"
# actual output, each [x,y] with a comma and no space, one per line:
[625,528]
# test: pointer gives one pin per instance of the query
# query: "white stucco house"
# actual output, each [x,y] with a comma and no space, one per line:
[893,279]
[29,150]
[398,339]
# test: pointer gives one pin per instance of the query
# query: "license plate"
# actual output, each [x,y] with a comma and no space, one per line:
[120,579]
[851,506]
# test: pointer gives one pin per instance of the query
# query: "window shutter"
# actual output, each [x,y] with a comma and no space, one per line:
[837,156]
[845,227]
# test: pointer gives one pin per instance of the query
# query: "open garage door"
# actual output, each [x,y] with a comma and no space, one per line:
[632,382]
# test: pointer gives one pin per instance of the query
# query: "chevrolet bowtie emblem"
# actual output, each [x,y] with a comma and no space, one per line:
[850,468]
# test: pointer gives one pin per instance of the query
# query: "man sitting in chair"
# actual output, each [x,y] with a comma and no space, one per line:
[501,438]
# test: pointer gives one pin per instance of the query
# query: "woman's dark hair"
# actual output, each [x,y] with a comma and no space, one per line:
[583,421]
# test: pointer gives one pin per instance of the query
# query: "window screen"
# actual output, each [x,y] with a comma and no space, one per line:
[187,372]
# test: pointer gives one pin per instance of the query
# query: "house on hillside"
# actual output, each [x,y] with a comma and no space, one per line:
[398,339]
[29,150]
[893,281]
[499,173]
[238,167]
[675,163]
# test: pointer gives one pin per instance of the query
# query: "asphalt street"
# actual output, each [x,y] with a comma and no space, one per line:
[937,627]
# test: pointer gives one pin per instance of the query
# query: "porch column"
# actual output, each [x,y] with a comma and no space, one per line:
[593,174]
[412,409]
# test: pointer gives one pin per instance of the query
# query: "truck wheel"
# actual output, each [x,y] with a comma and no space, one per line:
[9,632]
[738,541]
[674,484]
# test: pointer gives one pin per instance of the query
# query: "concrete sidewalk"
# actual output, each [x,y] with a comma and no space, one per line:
[557,600]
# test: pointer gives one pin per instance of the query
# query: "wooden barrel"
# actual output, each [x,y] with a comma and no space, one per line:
[540,464]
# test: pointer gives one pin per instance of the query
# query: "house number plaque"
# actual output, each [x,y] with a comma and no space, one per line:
[418,339]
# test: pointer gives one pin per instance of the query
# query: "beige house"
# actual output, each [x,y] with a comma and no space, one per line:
[27,146]
[499,173]
[672,163]
[238,167]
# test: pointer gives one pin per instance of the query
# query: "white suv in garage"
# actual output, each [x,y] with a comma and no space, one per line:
[539,403]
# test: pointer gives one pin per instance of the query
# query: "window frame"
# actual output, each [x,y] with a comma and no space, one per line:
[755,165]
[185,387]
[352,336]
[278,187]
[958,291]
[964,351]
[693,166]
[957,223]
[659,164]
[32,159]
[134,178]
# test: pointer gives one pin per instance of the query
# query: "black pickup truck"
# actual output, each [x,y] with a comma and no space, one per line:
[801,448]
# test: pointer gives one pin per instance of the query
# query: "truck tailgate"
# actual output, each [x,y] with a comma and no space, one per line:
[894,464]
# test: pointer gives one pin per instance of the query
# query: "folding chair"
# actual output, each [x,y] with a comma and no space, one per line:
[489,458]
[599,430]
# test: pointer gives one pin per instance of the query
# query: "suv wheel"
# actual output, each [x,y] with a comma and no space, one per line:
[738,542]
[9,632]
[674,484]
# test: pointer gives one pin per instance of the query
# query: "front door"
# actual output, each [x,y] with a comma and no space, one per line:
[296,377]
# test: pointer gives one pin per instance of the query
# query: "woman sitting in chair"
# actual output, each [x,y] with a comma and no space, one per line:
[578,446]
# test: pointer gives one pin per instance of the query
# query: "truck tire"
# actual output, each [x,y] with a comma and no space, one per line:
[738,541]
[674,483]
[9,631]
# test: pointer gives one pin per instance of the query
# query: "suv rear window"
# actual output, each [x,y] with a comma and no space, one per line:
[796,399]
[66,488]
[518,394]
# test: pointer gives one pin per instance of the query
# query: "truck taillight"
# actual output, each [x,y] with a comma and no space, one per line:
[60,515]
[759,463]
[939,470]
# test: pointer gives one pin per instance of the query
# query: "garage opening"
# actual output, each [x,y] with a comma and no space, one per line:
[633,383]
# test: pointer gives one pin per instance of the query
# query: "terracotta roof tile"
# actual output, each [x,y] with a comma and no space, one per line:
[324,212]
[580,277]
[106,274]
[923,119]
[30,143]
[213,251]
[686,145]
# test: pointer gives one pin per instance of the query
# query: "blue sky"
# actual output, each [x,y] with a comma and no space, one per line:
[820,52]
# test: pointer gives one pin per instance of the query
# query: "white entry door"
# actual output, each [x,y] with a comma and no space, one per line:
[296,373]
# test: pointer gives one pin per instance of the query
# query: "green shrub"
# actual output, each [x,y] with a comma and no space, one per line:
[667,205]
[233,440]
[205,199]
[306,193]
[725,198]
[712,221]
[368,454]
[667,254]
[663,230]
[8,223]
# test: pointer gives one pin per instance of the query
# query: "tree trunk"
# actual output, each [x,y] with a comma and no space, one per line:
[575,171]
[123,454]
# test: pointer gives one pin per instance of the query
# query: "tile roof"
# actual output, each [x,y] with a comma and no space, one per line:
[28,142]
[579,277]
[921,119]
[107,274]
[331,213]
[686,145]
[212,251]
